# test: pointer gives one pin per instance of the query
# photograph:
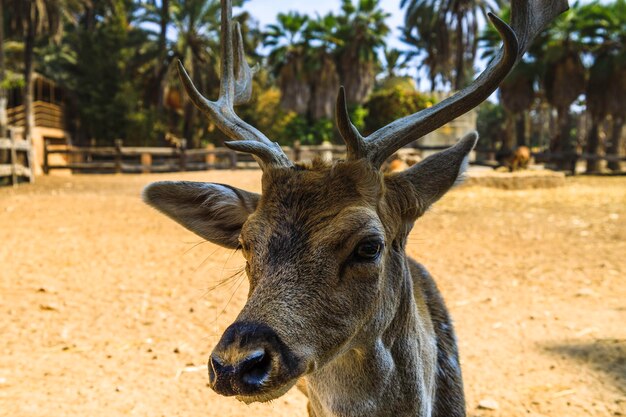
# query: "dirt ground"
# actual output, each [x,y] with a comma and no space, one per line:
[108,308]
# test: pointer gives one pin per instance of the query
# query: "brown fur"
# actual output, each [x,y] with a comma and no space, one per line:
[369,337]
[516,159]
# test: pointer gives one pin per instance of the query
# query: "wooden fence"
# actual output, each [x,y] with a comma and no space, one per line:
[16,158]
[130,159]
[569,160]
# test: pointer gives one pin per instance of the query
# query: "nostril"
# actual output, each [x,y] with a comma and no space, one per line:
[255,369]
[215,367]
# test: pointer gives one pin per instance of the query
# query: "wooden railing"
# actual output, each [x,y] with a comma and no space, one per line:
[120,158]
[569,160]
[46,115]
[129,159]
[15,159]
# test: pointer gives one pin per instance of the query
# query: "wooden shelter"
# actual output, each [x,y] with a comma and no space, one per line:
[48,114]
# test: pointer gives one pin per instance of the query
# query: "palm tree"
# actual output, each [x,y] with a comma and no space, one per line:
[517,91]
[361,33]
[563,76]
[430,42]
[395,60]
[446,31]
[602,33]
[290,42]
[613,30]
[197,24]
[160,16]
[322,68]
[34,19]
[3,97]
[617,109]
[598,88]
[517,94]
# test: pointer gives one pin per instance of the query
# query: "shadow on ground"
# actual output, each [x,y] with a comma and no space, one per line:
[604,355]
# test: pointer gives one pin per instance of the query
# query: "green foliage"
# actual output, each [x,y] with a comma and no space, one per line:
[115,64]
[12,80]
[385,106]
[358,116]
[490,124]
[445,34]
[109,100]
[361,29]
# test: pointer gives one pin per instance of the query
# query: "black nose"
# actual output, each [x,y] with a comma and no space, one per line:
[246,376]
[251,359]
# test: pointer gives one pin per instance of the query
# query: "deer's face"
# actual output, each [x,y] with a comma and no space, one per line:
[314,250]
[322,246]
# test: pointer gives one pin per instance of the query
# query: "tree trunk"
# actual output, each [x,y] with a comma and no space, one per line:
[357,76]
[29,45]
[325,85]
[507,132]
[593,143]
[161,68]
[294,87]
[615,145]
[520,129]
[3,95]
[190,109]
[561,142]
[460,61]
[433,81]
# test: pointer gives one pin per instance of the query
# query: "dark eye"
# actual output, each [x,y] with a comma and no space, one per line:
[368,250]
[242,245]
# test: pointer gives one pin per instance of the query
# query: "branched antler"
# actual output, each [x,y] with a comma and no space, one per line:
[528,17]
[235,89]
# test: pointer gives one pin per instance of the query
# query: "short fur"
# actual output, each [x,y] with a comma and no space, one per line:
[371,338]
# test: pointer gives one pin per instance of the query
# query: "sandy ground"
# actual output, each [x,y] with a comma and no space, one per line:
[107,307]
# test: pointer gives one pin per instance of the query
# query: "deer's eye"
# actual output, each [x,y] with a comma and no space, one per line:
[368,250]
[243,245]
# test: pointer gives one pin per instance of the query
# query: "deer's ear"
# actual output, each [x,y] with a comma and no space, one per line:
[215,212]
[435,175]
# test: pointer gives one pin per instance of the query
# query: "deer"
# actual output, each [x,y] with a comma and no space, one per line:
[515,159]
[334,301]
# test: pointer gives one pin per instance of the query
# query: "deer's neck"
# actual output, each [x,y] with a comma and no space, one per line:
[389,369]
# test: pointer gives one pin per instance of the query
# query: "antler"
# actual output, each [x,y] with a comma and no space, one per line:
[528,18]
[235,89]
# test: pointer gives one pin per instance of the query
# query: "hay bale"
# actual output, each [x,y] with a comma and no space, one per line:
[519,180]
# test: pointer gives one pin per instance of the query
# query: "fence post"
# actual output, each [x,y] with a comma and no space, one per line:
[13,159]
[182,154]
[573,162]
[209,158]
[146,163]
[46,164]
[297,152]
[118,155]
[233,159]
[326,149]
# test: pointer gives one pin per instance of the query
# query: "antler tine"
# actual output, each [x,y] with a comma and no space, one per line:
[243,78]
[235,89]
[227,73]
[354,141]
[529,17]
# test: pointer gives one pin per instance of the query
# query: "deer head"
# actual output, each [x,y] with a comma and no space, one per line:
[324,243]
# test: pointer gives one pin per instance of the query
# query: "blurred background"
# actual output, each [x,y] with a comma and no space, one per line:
[99,72]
